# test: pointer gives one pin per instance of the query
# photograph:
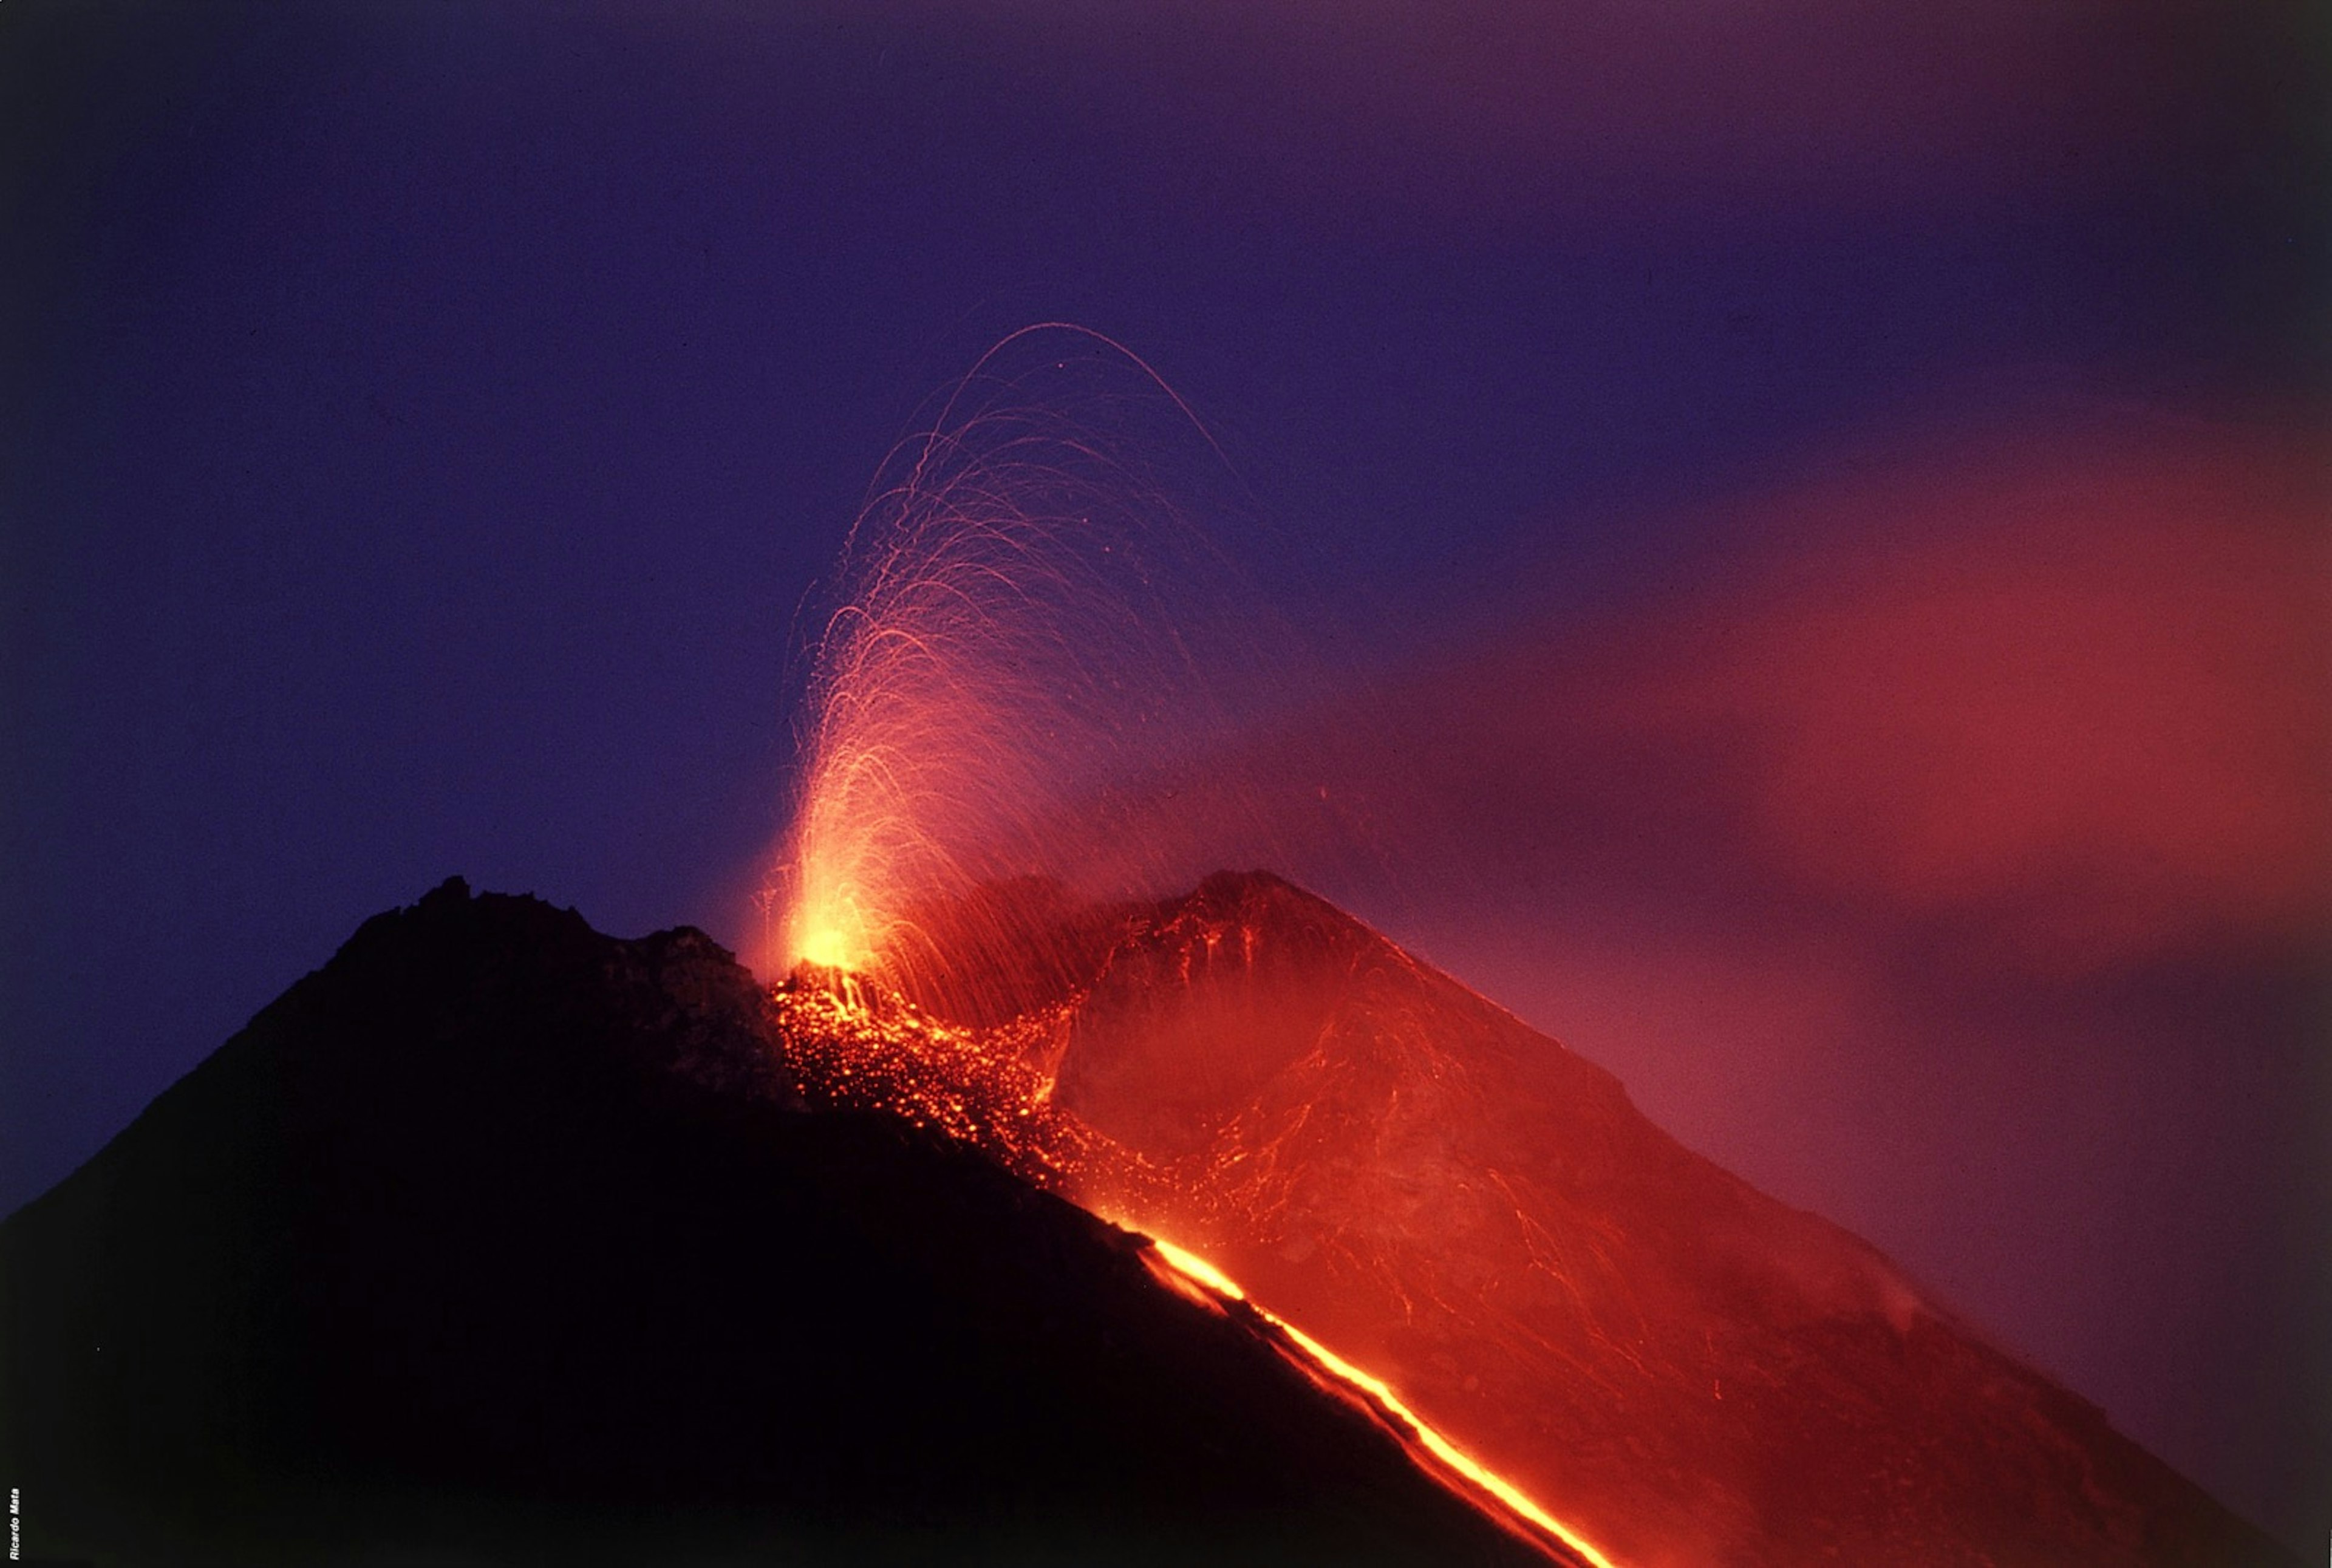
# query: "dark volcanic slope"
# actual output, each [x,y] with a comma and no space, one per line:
[487,1242]
[1675,1364]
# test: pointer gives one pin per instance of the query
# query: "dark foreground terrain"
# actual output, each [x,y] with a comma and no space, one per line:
[494,1240]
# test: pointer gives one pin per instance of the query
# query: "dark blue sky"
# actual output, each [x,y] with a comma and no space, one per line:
[422,422]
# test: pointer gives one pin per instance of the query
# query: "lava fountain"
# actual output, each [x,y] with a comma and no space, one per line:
[1031,630]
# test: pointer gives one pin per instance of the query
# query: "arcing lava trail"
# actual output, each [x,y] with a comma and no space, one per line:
[1677,1367]
[1027,631]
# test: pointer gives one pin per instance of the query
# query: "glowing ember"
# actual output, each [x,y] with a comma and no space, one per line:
[855,1046]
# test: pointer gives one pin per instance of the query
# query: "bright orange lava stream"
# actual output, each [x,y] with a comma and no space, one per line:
[853,1046]
[1199,1279]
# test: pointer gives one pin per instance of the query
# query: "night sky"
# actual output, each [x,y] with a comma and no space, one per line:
[1824,509]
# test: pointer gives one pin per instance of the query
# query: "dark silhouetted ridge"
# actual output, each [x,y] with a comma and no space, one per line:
[495,1240]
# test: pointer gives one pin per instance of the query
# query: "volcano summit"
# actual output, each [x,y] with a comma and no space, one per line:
[499,1240]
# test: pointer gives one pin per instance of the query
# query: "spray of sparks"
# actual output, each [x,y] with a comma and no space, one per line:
[1031,624]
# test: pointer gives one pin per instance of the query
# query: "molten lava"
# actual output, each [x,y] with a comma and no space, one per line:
[1196,1277]
[854,1048]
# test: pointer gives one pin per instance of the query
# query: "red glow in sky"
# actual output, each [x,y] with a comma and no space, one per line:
[1918,864]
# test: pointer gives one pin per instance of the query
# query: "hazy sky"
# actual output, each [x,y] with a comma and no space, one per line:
[1831,506]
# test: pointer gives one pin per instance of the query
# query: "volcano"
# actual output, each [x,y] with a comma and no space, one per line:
[497,1239]
[1677,1366]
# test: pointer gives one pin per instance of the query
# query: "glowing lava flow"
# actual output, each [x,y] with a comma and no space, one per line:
[852,1046]
[1194,1278]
